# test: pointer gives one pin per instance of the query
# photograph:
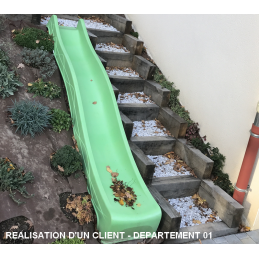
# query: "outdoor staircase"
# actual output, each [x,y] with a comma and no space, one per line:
[165,187]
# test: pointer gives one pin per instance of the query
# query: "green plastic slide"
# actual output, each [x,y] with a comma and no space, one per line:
[100,136]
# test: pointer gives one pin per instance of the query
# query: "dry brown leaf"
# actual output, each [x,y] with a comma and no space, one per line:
[121,202]
[94,102]
[29,84]
[37,41]
[12,121]
[190,206]
[29,222]
[13,30]
[138,204]
[109,169]
[114,174]
[60,168]
[196,221]
[13,227]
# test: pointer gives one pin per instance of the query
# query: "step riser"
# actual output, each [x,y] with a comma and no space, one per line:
[138,112]
[116,59]
[128,84]
[154,145]
[127,125]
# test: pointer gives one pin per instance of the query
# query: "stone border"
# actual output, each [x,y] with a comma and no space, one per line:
[173,122]
[158,94]
[145,165]
[139,111]
[229,210]
[201,164]
[127,125]
[171,219]
[132,44]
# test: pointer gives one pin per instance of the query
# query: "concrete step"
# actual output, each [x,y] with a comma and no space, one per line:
[104,36]
[154,145]
[116,59]
[139,111]
[128,84]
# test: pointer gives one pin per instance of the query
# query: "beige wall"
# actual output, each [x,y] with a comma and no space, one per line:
[214,61]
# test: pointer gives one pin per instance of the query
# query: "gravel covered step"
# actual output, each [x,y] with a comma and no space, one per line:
[201,164]
[127,125]
[158,94]
[145,166]
[116,58]
[139,111]
[154,145]
[173,122]
[171,219]
[201,232]
[176,186]
[128,84]
[229,210]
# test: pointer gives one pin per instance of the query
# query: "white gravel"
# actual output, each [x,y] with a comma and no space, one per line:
[164,168]
[189,211]
[111,47]
[136,97]
[122,72]
[88,23]
[148,128]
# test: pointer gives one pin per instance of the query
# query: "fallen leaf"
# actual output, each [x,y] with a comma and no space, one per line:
[21,65]
[37,41]
[29,84]
[13,227]
[13,30]
[121,202]
[60,168]
[94,102]
[114,174]
[196,221]
[12,121]
[138,204]
[190,206]
[109,169]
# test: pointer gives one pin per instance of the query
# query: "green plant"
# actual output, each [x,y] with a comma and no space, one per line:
[46,89]
[67,240]
[218,176]
[8,82]
[33,38]
[4,59]
[13,178]
[30,117]
[174,102]
[40,58]
[66,160]
[134,34]
[60,120]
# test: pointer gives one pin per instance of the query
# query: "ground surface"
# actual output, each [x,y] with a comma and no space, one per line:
[33,154]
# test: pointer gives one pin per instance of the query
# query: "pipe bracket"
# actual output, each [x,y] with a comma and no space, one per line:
[240,190]
[253,134]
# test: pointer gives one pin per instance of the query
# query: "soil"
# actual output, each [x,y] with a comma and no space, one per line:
[18,224]
[33,153]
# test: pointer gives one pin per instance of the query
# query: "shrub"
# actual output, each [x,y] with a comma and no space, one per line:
[4,59]
[45,89]
[13,178]
[67,240]
[28,37]
[66,160]
[30,117]
[134,34]
[40,58]
[60,120]
[8,82]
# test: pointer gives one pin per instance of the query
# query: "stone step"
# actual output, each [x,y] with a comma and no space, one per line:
[128,84]
[104,36]
[154,145]
[176,186]
[139,111]
[116,59]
